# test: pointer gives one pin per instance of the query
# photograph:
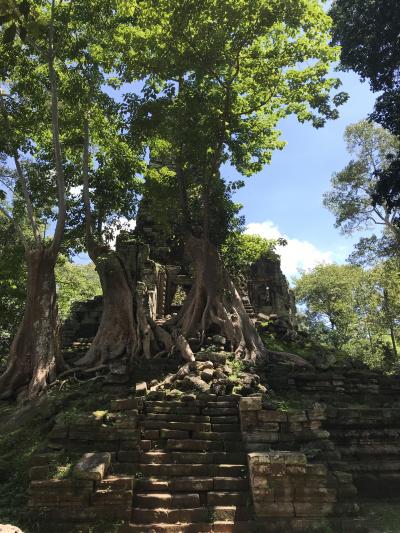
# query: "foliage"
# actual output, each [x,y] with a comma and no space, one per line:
[353,198]
[76,283]
[240,250]
[355,310]
[327,292]
[232,71]
[368,32]
[12,284]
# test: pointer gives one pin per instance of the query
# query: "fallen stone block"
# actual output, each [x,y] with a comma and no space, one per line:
[92,466]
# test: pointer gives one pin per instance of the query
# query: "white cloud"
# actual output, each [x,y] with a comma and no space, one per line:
[123,224]
[296,255]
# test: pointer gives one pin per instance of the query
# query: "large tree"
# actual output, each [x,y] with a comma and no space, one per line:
[369,34]
[40,69]
[221,76]
[353,199]
[355,309]
[30,139]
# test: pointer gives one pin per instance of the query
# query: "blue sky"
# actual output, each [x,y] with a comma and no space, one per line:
[286,197]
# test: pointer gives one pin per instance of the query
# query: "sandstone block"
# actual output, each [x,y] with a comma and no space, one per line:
[92,466]
[274,509]
[314,508]
[251,403]
[125,404]
[270,415]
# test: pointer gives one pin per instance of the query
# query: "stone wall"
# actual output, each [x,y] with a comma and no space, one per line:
[337,384]
[284,485]
[93,491]
[269,291]
[266,429]
[368,441]
[295,473]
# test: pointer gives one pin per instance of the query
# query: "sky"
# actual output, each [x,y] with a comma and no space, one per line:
[285,199]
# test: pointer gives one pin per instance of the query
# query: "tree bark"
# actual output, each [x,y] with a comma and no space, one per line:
[125,328]
[35,357]
[214,304]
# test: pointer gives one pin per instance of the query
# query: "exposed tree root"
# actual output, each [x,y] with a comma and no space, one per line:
[125,328]
[214,304]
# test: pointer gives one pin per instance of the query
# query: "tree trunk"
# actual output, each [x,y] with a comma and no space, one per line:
[393,337]
[125,328]
[214,304]
[35,357]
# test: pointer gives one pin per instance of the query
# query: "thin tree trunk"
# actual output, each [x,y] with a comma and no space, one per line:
[214,304]
[393,337]
[35,357]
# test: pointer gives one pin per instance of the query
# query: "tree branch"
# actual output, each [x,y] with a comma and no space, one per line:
[16,226]
[59,231]
[90,241]
[22,179]
[29,206]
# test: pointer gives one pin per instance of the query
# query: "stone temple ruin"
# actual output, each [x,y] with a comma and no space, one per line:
[218,445]
[166,278]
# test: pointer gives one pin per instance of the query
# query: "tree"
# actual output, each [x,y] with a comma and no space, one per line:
[42,137]
[354,309]
[368,32]
[241,250]
[221,76]
[30,134]
[353,197]
[328,293]
[12,284]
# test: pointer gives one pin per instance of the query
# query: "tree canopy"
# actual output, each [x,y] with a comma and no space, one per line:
[353,199]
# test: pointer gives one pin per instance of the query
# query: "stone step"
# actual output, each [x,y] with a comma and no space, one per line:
[190,515]
[176,470]
[159,500]
[181,435]
[195,445]
[171,516]
[177,417]
[161,457]
[225,403]
[168,528]
[176,424]
[168,409]
[228,498]
[198,419]
[215,527]
[192,484]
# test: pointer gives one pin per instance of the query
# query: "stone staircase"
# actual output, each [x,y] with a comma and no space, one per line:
[192,468]
[247,304]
